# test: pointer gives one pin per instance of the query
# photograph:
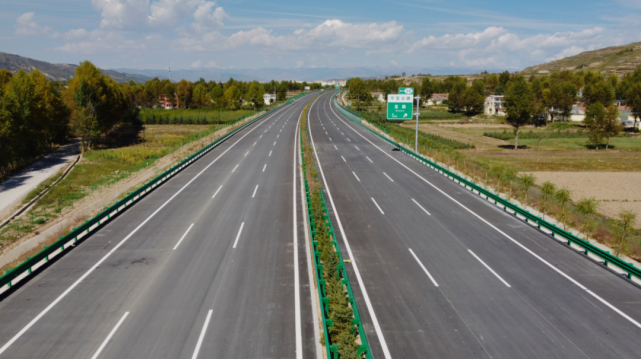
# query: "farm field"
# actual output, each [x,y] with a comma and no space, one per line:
[608,176]
[614,191]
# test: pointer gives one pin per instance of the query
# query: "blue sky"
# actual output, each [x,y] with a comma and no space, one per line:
[186,34]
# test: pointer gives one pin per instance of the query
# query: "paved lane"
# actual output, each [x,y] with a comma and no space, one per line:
[449,275]
[184,266]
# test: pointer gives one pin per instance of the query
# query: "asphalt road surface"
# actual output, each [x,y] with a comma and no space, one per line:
[210,265]
[439,272]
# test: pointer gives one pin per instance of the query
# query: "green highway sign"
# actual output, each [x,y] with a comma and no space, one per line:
[337,87]
[400,107]
[406,90]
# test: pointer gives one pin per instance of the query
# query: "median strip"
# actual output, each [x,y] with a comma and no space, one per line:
[343,333]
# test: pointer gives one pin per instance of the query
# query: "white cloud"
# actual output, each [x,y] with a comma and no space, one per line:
[211,64]
[498,47]
[26,26]
[196,64]
[160,15]
[329,34]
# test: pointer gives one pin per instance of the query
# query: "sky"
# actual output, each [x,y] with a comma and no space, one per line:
[240,34]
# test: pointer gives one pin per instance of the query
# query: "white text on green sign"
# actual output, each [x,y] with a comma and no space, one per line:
[406,90]
[399,107]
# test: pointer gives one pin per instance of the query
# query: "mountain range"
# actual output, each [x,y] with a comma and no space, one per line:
[58,72]
[615,59]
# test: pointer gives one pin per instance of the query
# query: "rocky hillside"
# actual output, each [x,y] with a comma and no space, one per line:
[616,59]
[57,72]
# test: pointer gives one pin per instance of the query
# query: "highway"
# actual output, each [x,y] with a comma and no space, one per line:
[211,264]
[439,272]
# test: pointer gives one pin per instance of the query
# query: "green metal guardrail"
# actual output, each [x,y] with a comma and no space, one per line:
[555,231]
[104,216]
[332,350]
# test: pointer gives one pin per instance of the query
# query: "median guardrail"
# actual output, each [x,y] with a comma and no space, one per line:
[559,233]
[32,263]
[327,322]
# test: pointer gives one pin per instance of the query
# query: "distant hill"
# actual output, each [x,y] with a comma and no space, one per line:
[58,72]
[616,59]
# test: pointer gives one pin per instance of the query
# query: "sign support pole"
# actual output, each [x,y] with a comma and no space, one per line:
[418,112]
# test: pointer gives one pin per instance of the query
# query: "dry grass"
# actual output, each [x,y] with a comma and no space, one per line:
[615,191]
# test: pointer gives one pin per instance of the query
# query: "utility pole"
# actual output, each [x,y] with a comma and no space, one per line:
[220,80]
[169,73]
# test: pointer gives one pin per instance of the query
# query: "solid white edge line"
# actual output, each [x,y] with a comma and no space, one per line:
[356,176]
[111,334]
[368,303]
[238,235]
[201,337]
[88,272]
[563,274]
[344,160]
[297,307]
[221,186]
[183,237]
[428,213]
[377,206]
[255,189]
[390,178]
[424,269]
[488,268]
[232,171]
[264,167]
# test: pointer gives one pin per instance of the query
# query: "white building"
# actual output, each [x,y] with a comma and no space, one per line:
[495,105]
[269,98]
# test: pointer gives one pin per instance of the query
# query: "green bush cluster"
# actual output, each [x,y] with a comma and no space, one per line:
[505,135]
[190,116]
[425,139]
[342,331]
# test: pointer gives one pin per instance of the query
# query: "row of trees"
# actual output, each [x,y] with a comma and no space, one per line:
[231,95]
[36,114]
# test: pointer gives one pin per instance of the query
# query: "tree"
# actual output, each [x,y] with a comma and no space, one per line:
[357,91]
[548,189]
[427,90]
[563,196]
[627,220]
[599,91]
[491,82]
[232,97]
[519,105]
[560,99]
[527,181]
[504,77]
[183,90]
[456,99]
[473,101]
[586,207]
[611,125]
[595,119]
[633,98]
